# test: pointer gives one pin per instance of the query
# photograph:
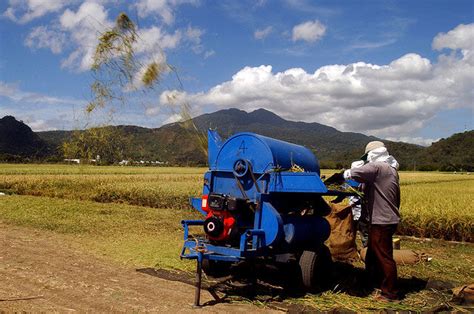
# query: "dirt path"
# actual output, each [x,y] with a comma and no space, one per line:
[60,278]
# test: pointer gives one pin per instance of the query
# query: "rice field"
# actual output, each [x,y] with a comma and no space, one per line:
[434,204]
[132,215]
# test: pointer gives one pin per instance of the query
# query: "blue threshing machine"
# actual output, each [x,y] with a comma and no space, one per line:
[262,198]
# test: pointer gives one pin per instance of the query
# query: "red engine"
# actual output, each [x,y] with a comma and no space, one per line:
[219,221]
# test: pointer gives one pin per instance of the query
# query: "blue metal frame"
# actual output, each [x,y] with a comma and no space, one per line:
[216,252]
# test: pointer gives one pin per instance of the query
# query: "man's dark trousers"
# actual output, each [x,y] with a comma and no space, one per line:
[379,259]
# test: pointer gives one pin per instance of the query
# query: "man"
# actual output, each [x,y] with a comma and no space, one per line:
[382,202]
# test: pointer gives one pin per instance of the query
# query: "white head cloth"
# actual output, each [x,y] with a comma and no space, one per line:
[381,154]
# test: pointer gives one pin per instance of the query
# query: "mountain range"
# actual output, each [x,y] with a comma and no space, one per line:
[180,145]
[19,142]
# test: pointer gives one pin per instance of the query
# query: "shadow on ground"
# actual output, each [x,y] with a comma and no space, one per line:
[273,284]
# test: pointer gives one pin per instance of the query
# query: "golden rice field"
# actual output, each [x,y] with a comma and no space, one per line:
[439,205]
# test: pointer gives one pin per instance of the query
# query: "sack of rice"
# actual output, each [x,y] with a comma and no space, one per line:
[342,239]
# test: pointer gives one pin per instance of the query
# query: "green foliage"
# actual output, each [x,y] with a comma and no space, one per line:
[184,143]
[455,153]
[106,142]
[128,234]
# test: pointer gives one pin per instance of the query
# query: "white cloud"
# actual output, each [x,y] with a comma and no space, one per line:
[163,8]
[415,140]
[40,118]
[39,125]
[391,100]
[154,39]
[262,33]
[372,45]
[310,31]
[462,37]
[24,11]
[76,33]
[8,90]
[15,94]
[194,35]
[209,53]
[83,28]
[173,118]
[44,37]
[41,112]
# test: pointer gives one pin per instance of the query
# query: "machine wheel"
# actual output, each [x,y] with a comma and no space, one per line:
[215,269]
[315,267]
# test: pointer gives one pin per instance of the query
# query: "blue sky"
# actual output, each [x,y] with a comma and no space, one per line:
[401,70]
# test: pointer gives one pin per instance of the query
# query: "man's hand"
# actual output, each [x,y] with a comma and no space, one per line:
[337,178]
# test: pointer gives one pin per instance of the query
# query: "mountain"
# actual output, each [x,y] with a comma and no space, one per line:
[176,145]
[18,141]
[325,141]
[334,149]
[453,153]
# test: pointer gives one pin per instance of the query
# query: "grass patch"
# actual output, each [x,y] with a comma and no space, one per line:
[450,261]
[133,235]
[152,237]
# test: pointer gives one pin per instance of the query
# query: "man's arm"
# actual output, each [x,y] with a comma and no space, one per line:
[365,174]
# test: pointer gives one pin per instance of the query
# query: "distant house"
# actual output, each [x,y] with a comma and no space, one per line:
[72,160]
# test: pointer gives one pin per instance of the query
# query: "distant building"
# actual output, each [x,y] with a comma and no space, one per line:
[72,160]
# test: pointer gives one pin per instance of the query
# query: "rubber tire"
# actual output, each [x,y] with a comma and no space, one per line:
[315,267]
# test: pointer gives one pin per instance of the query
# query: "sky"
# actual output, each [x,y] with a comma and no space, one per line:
[399,70]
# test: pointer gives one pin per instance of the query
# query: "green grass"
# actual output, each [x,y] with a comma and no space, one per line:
[152,237]
[449,263]
[134,235]
[146,236]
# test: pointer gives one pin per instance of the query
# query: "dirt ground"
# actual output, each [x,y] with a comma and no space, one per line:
[42,272]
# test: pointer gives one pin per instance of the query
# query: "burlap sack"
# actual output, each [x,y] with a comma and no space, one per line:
[464,295]
[401,257]
[341,242]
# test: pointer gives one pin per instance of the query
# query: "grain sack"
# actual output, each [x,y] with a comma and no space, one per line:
[402,257]
[341,242]
[464,295]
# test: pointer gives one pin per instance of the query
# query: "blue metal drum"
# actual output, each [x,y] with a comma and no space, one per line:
[263,153]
